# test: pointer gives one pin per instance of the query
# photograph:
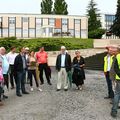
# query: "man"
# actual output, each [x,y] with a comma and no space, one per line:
[11,58]
[63,65]
[20,65]
[5,67]
[117,88]
[42,60]
[108,59]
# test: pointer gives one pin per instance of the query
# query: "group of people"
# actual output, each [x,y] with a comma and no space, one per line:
[112,75]
[22,67]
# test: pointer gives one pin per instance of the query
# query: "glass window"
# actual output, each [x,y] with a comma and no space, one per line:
[52,21]
[64,22]
[25,19]
[12,20]
[18,31]
[57,30]
[5,31]
[71,32]
[109,18]
[25,31]
[38,21]
[77,21]
[11,30]
[77,33]
[84,33]
[32,31]
[51,30]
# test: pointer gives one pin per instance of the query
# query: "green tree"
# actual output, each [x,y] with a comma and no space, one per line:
[46,6]
[115,28]
[94,24]
[60,7]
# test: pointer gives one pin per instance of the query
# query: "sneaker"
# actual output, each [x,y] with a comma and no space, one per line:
[31,89]
[114,114]
[39,89]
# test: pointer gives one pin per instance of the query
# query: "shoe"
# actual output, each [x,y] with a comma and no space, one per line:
[49,83]
[65,89]
[25,92]
[31,89]
[114,114]
[12,88]
[58,90]
[39,89]
[41,83]
[107,97]
[5,97]
[19,95]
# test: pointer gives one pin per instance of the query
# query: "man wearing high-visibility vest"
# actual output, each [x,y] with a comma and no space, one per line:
[117,88]
[108,59]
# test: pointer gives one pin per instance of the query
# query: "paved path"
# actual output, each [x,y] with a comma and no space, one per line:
[88,104]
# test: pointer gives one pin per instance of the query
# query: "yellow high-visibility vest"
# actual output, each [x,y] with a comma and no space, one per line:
[106,62]
[118,59]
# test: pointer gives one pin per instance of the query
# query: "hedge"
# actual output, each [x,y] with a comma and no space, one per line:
[50,44]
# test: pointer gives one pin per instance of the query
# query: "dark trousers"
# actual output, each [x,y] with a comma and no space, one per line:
[109,85]
[12,75]
[31,74]
[6,80]
[44,67]
[20,82]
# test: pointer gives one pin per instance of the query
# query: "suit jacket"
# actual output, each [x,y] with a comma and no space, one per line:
[18,64]
[67,62]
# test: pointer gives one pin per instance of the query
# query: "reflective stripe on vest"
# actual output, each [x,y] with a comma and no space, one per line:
[118,59]
[106,62]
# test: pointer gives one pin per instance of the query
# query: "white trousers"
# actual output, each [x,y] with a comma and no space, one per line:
[62,79]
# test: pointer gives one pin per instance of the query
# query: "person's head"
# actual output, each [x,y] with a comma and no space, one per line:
[22,50]
[32,53]
[2,50]
[42,49]
[13,49]
[77,53]
[27,50]
[63,49]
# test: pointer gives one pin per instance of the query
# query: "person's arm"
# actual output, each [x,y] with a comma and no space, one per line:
[116,68]
[83,65]
[57,63]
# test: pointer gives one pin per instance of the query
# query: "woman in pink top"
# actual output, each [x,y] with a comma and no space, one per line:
[42,59]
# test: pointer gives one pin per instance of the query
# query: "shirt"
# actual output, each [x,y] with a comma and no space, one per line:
[108,66]
[24,62]
[41,57]
[62,60]
[11,57]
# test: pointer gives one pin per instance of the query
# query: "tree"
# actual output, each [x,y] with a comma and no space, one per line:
[94,24]
[46,6]
[115,28]
[60,7]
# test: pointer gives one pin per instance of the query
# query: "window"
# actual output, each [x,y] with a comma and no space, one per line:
[11,31]
[32,31]
[64,22]
[12,20]
[84,33]
[38,22]
[51,30]
[25,31]
[25,19]
[57,30]
[77,33]
[52,21]
[71,31]
[5,31]
[77,21]
[18,31]
[109,18]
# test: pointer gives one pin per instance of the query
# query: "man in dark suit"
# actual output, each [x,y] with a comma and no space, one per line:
[63,65]
[20,65]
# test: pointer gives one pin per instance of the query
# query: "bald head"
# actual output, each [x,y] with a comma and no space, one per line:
[2,50]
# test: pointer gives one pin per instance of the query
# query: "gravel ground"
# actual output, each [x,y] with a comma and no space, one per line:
[88,104]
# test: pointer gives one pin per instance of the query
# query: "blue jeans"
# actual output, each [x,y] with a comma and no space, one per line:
[109,84]
[116,97]
[20,82]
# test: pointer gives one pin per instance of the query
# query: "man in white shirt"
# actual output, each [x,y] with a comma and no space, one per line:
[11,58]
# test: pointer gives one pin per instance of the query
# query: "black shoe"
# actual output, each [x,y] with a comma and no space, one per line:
[65,89]
[49,83]
[114,114]
[58,90]
[19,95]
[12,88]
[118,107]
[25,92]
[41,83]
[107,97]
[5,97]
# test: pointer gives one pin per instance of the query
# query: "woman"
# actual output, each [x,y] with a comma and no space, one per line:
[32,64]
[78,72]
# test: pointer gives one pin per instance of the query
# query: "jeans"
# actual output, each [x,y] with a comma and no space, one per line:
[109,85]
[31,74]
[44,67]
[20,82]
[12,75]
[116,97]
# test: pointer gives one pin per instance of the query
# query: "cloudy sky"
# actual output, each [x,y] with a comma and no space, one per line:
[75,7]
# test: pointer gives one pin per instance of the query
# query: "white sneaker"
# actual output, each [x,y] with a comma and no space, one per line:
[31,89]
[39,89]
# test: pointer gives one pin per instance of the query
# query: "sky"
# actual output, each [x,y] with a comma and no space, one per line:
[75,7]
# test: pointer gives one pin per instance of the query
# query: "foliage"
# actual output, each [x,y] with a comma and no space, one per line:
[50,44]
[46,6]
[60,7]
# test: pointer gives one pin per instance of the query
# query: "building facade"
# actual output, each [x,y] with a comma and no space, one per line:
[36,26]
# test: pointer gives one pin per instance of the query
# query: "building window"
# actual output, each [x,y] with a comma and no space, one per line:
[18,31]
[64,22]
[12,31]
[51,30]
[32,31]
[71,32]
[25,31]
[77,21]
[51,21]
[5,31]
[25,19]
[83,33]
[12,20]
[77,33]
[38,22]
